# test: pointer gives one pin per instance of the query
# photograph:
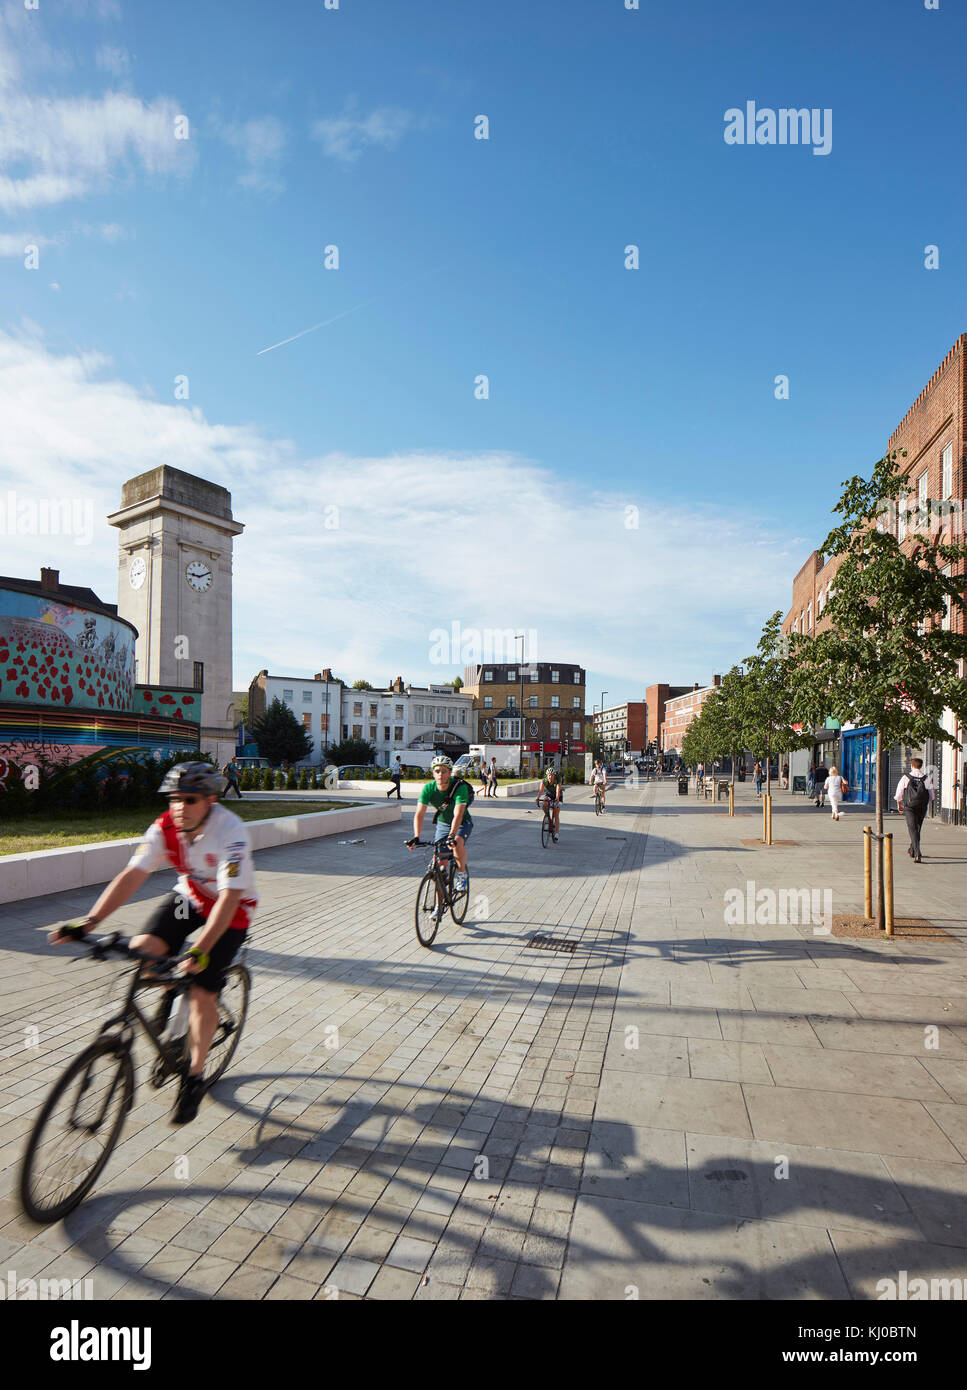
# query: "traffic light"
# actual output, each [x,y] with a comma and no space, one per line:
[542,750]
[567,745]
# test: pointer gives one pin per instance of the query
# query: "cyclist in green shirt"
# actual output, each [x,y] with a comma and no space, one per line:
[452,820]
[551,793]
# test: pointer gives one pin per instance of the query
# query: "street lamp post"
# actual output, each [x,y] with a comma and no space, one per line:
[520,713]
[603,744]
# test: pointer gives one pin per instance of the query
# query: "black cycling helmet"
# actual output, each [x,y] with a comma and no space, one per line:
[199,778]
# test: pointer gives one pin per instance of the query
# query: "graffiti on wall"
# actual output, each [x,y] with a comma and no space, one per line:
[54,655]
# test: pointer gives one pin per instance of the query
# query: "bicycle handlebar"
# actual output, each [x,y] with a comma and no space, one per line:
[100,947]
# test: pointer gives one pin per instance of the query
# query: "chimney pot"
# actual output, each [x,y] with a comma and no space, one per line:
[49,580]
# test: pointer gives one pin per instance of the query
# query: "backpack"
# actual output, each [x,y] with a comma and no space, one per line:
[227,771]
[915,795]
[451,793]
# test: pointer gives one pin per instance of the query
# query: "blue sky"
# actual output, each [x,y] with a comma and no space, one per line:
[609,388]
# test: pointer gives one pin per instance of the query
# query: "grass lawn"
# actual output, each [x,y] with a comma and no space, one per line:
[53,832]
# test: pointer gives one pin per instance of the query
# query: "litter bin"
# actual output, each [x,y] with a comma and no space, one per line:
[683,786]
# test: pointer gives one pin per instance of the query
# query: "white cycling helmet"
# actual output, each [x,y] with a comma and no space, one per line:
[441,760]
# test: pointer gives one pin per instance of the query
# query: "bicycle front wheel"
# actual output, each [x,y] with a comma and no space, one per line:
[429,909]
[232,1012]
[546,830]
[76,1131]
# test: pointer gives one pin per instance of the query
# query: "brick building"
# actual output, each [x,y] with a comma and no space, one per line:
[553,705]
[622,728]
[933,434]
[680,710]
[656,698]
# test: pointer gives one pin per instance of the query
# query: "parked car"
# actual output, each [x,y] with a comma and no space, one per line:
[352,771]
[243,763]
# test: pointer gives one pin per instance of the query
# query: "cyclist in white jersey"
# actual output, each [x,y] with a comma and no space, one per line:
[599,778]
[215,891]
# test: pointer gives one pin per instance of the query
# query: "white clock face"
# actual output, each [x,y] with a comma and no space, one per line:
[199,576]
[137,572]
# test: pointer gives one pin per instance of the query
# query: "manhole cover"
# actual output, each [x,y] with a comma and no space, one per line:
[551,943]
[726,1175]
[616,837]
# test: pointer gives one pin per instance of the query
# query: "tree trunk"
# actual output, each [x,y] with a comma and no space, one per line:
[768,770]
[880,903]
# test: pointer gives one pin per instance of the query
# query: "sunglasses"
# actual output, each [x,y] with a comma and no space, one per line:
[185,800]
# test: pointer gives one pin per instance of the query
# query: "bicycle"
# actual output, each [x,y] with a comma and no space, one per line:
[436,892]
[598,800]
[547,824]
[69,1147]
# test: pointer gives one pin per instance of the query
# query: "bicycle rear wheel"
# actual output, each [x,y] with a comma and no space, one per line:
[232,1012]
[546,829]
[459,899]
[597,805]
[429,909]
[76,1131]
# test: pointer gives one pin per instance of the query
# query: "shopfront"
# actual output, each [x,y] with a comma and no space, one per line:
[859,764]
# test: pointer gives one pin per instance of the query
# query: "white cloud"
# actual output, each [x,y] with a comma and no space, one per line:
[345,137]
[260,144]
[424,539]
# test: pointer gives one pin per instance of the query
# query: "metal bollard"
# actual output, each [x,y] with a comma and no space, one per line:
[888,886]
[731,800]
[868,870]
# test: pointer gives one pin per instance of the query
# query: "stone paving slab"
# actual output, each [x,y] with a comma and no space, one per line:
[684,1107]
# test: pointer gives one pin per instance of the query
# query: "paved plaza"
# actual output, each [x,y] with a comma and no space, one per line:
[682,1107]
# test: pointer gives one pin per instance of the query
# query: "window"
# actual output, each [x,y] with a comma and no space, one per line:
[901,519]
[576,702]
[357,707]
[947,470]
[453,716]
[555,728]
[386,732]
[463,716]
[533,673]
[399,711]
[577,677]
[922,489]
[345,731]
[555,676]
[307,721]
[324,723]
[488,702]
[555,702]
[198,675]
[576,729]
[532,701]
[488,675]
[307,697]
[287,696]
[372,733]
[418,714]
[511,701]
[373,711]
[809,615]
[511,675]
[398,733]
[357,731]
[508,728]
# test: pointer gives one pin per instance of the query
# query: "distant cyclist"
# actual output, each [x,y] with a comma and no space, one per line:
[599,782]
[215,892]
[451,797]
[551,793]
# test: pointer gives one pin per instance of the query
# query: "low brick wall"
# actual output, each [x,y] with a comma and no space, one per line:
[81,866]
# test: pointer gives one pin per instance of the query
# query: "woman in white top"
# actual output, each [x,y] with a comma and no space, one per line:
[834,790]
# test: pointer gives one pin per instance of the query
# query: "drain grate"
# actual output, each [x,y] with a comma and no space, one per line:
[616,837]
[726,1175]
[551,943]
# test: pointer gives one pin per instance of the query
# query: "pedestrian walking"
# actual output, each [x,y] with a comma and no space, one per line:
[914,793]
[759,777]
[230,773]
[785,776]
[836,788]
[396,776]
[820,774]
[493,778]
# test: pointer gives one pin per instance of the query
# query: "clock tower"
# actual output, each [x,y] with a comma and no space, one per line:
[175,586]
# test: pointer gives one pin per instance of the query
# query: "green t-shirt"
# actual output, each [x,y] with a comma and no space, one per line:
[550,787]
[431,795]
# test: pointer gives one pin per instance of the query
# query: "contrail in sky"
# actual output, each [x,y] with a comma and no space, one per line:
[324,324]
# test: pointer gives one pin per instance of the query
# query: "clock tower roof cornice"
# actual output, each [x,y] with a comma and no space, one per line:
[169,491]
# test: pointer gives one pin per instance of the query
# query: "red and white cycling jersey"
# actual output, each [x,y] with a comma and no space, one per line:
[216,859]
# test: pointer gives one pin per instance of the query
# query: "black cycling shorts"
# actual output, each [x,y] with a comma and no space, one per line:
[174,931]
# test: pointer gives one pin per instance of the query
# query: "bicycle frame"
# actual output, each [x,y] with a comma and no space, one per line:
[129,1013]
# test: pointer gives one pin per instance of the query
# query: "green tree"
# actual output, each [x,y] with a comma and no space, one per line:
[279,735]
[356,751]
[724,707]
[768,698]
[457,683]
[888,657]
[362,685]
[593,742]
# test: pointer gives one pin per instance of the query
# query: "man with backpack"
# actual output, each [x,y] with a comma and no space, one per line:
[914,794]
[452,797]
